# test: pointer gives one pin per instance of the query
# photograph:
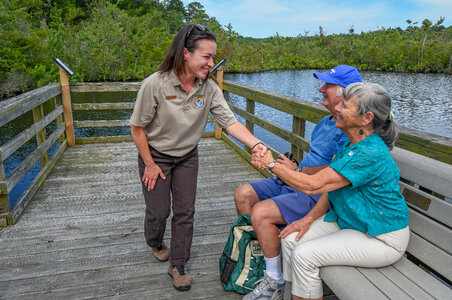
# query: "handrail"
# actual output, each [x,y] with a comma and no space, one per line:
[430,145]
[433,146]
[12,109]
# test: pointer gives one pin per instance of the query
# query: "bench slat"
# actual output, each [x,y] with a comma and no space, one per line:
[391,290]
[428,283]
[404,283]
[437,209]
[425,171]
[431,255]
[349,283]
[435,233]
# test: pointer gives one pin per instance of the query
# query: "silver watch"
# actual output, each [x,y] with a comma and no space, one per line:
[271,165]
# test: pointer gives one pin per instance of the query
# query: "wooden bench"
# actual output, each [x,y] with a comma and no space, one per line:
[430,244]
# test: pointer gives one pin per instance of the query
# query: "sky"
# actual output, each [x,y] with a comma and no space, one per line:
[265,18]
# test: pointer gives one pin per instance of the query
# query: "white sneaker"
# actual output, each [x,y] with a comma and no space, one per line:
[267,288]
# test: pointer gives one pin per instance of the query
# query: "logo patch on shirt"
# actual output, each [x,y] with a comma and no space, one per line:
[169,97]
[199,102]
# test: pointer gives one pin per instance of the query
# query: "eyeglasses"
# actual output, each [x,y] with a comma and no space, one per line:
[200,28]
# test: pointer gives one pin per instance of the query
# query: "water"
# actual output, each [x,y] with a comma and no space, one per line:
[420,101]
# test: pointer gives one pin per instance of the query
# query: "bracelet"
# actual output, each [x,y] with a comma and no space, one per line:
[256,145]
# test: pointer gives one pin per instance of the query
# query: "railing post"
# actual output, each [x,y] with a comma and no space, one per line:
[58,102]
[5,205]
[67,107]
[250,105]
[298,127]
[218,129]
[38,114]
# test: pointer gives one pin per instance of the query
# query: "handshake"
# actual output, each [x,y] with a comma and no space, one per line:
[261,157]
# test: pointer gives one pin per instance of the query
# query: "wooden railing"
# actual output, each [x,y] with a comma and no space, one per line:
[433,146]
[12,109]
[436,147]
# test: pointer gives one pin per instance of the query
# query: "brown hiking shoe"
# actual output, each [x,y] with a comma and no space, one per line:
[160,252]
[182,280]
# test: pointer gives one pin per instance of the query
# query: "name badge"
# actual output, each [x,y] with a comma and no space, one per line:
[170,97]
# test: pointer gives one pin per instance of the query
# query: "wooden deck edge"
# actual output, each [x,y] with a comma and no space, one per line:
[104,139]
[27,196]
[120,138]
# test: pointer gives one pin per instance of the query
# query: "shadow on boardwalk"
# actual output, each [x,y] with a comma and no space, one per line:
[82,235]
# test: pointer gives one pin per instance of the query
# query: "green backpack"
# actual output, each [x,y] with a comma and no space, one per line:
[242,262]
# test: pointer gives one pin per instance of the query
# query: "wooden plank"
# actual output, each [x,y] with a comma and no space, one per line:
[436,209]
[58,100]
[16,106]
[5,204]
[219,78]
[341,279]
[277,130]
[90,87]
[297,107]
[28,194]
[427,144]
[38,114]
[422,279]
[103,106]
[298,128]
[23,168]
[430,255]
[82,237]
[102,123]
[409,287]
[67,107]
[104,139]
[434,232]
[425,171]
[12,145]
[250,108]
[381,282]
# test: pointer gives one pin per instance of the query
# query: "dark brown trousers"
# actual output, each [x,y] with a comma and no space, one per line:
[181,179]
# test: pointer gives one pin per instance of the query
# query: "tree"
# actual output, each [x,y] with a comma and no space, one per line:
[196,13]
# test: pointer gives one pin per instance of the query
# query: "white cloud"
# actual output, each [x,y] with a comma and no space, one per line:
[289,17]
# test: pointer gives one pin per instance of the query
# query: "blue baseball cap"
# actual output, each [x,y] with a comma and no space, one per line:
[342,75]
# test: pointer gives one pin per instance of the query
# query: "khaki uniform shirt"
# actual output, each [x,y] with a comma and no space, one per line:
[173,120]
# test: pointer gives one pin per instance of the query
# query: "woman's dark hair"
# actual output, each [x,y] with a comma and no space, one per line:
[187,37]
[374,98]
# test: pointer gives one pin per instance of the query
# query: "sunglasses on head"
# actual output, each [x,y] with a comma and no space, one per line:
[199,26]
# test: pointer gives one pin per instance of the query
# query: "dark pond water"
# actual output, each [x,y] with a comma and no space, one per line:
[420,101]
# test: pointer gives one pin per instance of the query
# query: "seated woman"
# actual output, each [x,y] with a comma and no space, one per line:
[361,219]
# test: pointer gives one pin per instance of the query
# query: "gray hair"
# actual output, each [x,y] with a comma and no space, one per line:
[374,98]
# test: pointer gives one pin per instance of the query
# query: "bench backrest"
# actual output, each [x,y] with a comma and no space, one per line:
[430,214]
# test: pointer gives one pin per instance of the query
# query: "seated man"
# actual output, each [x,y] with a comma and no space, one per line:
[271,202]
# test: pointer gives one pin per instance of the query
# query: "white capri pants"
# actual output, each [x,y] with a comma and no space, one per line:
[325,244]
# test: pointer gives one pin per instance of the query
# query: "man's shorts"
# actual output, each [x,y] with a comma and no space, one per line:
[292,203]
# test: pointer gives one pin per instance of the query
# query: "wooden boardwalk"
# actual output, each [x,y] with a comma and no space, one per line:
[82,235]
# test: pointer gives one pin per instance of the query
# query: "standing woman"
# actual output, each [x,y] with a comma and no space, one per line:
[170,114]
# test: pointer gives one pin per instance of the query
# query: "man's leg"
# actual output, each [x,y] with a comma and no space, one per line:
[245,197]
[265,217]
